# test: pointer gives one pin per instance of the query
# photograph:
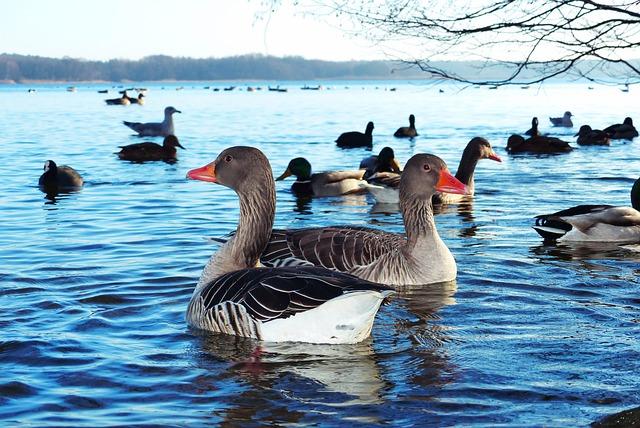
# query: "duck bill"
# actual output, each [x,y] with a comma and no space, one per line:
[395,165]
[495,157]
[180,145]
[447,183]
[204,173]
[284,175]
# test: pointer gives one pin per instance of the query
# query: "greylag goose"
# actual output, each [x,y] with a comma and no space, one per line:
[155,129]
[305,304]
[384,186]
[564,121]
[533,131]
[148,151]
[622,131]
[537,144]
[407,131]
[592,137]
[594,223]
[419,258]
[385,161]
[356,139]
[57,179]
[333,183]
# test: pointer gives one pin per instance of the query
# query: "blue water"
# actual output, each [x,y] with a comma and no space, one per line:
[94,284]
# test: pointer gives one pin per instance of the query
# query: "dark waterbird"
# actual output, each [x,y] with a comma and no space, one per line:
[533,131]
[356,139]
[592,137]
[139,100]
[622,131]
[538,144]
[56,179]
[124,100]
[148,151]
[407,131]
[385,161]
[301,304]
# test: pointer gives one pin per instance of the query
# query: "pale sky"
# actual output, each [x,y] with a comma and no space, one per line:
[194,28]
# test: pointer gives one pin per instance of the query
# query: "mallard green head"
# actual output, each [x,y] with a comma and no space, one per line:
[300,167]
[635,195]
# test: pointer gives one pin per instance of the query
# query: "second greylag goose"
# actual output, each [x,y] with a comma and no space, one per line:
[304,304]
[155,129]
[419,258]
[594,223]
[333,183]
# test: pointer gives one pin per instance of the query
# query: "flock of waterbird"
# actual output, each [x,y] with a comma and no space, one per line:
[326,284]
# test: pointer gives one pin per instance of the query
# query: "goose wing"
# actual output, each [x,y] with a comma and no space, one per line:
[339,248]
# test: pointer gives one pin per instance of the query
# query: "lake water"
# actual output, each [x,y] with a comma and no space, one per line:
[95,284]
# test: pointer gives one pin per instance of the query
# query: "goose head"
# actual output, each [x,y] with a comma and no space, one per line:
[300,167]
[243,169]
[426,174]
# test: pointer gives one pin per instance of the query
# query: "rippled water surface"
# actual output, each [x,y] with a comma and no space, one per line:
[95,284]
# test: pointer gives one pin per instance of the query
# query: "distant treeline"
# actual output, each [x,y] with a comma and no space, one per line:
[19,68]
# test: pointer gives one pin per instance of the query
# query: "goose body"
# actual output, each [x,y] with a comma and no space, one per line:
[594,223]
[419,258]
[564,121]
[57,179]
[592,137]
[332,183]
[356,139]
[124,100]
[155,129]
[537,144]
[407,131]
[148,151]
[622,131]
[385,161]
[139,100]
[305,304]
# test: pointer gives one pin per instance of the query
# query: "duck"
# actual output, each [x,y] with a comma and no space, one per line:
[407,131]
[275,304]
[56,179]
[385,161]
[333,183]
[594,223]
[356,139]
[533,131]
[537,144]
[149,151]
[592,137]
[139,100]
[385,186]
[124,100]
[564,121]
[622,131]
[155,129]
[420,257]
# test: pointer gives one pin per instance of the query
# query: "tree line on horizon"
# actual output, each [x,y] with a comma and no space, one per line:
[18,68]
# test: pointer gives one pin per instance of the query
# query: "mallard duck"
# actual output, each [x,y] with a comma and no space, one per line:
[538,144]
[419,257]
[149,151]
[407,131]
[533,131]
[56,179]
[332,183]
[594,223]
[356,139]
[622,131]
[564,121]
[385,161]
[592,137]
[155,129]
[302,304]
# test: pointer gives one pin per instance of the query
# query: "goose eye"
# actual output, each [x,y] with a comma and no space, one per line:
[228,158]
[427,167]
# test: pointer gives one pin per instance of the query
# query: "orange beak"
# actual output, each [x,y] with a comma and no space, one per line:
[204,173]
[449,184]
[495,157]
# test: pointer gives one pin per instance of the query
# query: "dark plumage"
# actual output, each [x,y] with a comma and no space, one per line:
[148,151]
[124,100]
[356,139]
[407,131]
[592,137]
[533,131]
[622,131]
[537,144]
[57,179]
[139,100]
[385,161]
